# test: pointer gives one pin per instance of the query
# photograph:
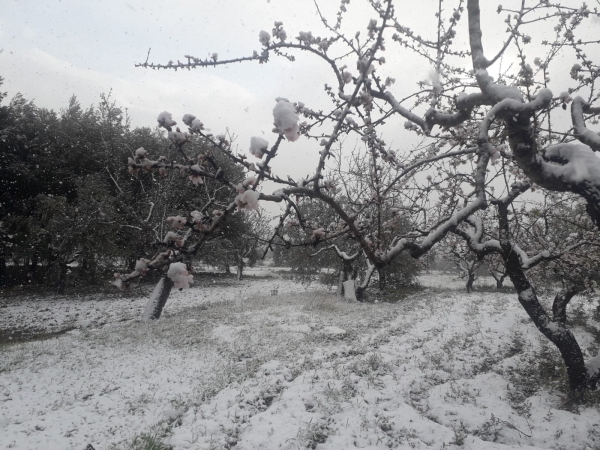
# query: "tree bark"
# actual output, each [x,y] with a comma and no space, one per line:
[382,280]
[340,286]
[61,284]
[2,271]
[470,281]
[559,306]
[33,267]
[500,283]
[345,271]
[240,270]
[556,332]
[157,300]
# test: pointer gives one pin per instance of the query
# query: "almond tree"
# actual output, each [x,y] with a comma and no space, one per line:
[467,262]
[471,130]
[519,259]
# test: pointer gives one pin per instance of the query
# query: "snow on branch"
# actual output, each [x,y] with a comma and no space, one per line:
[585,136]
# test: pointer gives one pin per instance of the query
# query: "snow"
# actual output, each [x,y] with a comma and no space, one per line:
[179,275]
[178,137]
[173,237]
[258,146]
[195,178]
[593,365]
[188,119]
[264,37]
[141,266]
[582,164]
[227,364]
[247,200]
[177,222]
[197,125]
[434,80]
[286,120]
[165,119]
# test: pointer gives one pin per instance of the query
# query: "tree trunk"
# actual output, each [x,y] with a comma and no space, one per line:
[157,299]
[559,306]
[556,332]
[360,290]
[500,283]
[33,268]
[3,271]
[93,266]
[470,281]
[227,269]
[340,286]
[61,284]
[345,272]
[382,280]
[240,270]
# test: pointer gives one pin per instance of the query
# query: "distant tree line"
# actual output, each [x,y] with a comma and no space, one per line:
[72,213]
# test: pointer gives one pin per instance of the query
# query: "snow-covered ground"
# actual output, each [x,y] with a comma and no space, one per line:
[230,366]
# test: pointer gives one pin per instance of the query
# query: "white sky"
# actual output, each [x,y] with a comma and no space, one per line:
[55,48]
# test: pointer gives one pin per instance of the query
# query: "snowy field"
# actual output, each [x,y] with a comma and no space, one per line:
[230,366]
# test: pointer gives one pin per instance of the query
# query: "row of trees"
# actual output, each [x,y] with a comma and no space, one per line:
[69,203]
[487,148]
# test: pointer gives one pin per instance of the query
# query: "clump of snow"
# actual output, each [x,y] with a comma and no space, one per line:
[177,222]
[286,120]
[194,177]
[565,97]
[188,119]
[117,282]
[319,233]
[179,275]
[199,220]
[434,80]
[174,238]
[264,37]
[258,146]
[247,200]
[178,137]
[165,120]
[197,125]
[250,181]
[582,163]
[141,266]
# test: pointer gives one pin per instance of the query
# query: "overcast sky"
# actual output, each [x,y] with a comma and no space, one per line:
[55,48]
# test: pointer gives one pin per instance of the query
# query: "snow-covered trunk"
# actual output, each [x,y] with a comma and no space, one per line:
[360,290]
[157,300]
[556,332]
[559,306]
[345,271]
